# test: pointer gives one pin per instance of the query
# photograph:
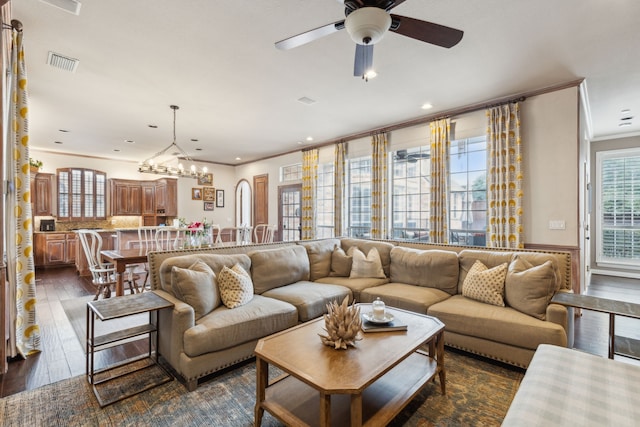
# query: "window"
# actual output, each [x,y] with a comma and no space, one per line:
[468,191]
[81,194]
[325,201]
[291,173]
[359,190]
[411,183]
[618,207]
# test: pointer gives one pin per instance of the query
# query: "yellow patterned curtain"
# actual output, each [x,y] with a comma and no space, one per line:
[504,177]
[439,209]
[309,180]
[19,223]
[338,186]
[379,186]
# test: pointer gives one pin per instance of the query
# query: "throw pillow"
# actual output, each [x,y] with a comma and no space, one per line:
[236,287]
[529,288]
[369,266]
[196,286]
[485,284]
[340,263]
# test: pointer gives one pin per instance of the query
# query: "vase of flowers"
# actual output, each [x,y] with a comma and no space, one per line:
[34,165]
[199,234]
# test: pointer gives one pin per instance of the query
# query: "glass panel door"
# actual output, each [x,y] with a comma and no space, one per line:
[289,212]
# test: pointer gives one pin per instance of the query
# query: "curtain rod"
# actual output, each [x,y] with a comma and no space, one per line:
[15,25]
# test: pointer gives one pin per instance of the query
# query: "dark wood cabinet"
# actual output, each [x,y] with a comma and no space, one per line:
[55,249]
[148,198]
[167,197]
[42,194]
[126,197]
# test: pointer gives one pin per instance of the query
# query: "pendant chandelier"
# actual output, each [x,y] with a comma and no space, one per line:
[152,164]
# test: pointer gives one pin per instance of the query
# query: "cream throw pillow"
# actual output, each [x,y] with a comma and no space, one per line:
[340,263]
[196,286]
[236,287]
[529,288]
[485,284]
[369,266]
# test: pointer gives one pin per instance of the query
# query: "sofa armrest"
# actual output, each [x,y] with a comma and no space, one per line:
[173,325]
[562,316]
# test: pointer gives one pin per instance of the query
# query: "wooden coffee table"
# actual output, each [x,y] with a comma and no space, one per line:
[368,385]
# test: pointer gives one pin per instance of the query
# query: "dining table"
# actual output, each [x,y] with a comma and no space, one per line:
[120,258]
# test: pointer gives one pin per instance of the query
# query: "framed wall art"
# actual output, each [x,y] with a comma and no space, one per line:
[196,193]
[219,198]
[209,194]
[206,179]
[208,206]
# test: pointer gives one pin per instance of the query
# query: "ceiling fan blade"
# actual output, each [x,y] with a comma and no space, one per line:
[364,59]
[426,31]
[395,4]
[310,36]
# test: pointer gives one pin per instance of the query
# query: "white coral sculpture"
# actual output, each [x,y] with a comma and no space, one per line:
[343,325]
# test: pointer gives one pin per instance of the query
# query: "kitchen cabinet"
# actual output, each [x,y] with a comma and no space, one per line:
[55,249]
[167,197]
[42,187]
[126,197]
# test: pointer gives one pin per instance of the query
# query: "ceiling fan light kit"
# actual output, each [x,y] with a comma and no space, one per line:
[367,25]
[367,21]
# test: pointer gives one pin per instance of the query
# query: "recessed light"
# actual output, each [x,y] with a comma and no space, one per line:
[238,158]
[426,106]
[64,130]
[625,111]
[306,100]
[57,142]
[309,138]
[153,126]
[198,149]
[129,141]
[117,150]
[626,118]
[625,124]
[194,140]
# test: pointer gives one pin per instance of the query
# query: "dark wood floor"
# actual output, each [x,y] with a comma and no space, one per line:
[63,356]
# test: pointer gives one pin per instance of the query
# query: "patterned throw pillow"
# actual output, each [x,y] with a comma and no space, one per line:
[236,287]
[196,286]
[340,263]
[369,266]
[484,284]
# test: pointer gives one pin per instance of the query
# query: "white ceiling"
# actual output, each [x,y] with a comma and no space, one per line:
[238,94]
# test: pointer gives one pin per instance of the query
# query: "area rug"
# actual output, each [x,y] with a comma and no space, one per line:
[76,311]
[478,394]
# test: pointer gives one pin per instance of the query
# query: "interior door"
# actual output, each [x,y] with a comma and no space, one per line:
[260,199]
[289,212]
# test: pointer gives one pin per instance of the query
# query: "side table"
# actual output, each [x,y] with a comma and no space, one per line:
[113,308]
[627,346]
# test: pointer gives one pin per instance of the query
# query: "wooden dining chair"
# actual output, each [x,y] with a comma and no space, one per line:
[146,243]
[263,233]
[103,275]
[170,238]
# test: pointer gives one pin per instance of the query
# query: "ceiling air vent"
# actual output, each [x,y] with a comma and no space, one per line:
[71,6]
[62,62]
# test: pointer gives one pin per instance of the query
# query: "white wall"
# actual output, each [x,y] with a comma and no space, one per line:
[550,135]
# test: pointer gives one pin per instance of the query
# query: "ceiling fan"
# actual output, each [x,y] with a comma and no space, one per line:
[403,155]
[367,21]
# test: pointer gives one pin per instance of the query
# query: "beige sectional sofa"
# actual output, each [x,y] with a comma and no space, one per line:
[294,281]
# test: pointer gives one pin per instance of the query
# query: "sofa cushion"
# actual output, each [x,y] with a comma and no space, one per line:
[485,284]
[340,263]
[215,261]
[356,285]
[384,249]
[197,287]
[319,253]
[278,267]
[224,327]
[309,298]
[404,296]
[431,268]
[236,288]
[365,266]
[467,257]
[529,288]
[506,325]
